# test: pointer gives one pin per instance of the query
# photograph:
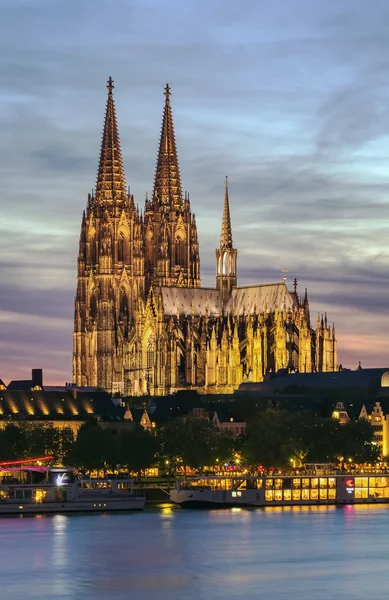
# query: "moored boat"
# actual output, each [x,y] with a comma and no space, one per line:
[33,490]
[281,490]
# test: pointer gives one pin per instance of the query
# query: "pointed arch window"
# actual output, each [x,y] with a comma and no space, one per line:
[180,248]
[92,249]
[121,247]
[149,247]
[93,307]
[225,266]
[123,311]
[150,353]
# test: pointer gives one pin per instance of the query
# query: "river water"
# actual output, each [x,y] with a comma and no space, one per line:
[294,553]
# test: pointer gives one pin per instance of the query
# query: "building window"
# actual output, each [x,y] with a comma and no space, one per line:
[150,353]
[121,248]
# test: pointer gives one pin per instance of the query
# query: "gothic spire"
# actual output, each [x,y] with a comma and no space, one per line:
[226,235]
[167,184]
[110,186]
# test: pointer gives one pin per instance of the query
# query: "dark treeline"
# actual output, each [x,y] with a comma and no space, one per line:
[274,439]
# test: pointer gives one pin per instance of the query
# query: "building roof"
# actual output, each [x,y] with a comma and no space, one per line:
[184,301]
[37,405]
[252,299]
[20,384]
[362,381]
[263,298]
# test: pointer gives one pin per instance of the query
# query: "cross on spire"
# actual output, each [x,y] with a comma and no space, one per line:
[110,85]
[284,272]
[167,91]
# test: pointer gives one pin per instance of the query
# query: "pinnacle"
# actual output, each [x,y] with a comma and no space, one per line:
[167,184]
[226,234]
[110,185]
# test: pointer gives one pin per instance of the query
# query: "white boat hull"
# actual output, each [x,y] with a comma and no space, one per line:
[103,505]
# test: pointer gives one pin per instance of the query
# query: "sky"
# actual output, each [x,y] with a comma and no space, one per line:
[290,99]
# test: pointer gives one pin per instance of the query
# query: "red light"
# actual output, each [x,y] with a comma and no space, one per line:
[349,482]
[27,460]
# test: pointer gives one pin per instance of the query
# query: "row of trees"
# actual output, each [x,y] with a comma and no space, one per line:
[275,439]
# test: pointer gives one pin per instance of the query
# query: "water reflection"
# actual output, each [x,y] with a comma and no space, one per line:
[309,553]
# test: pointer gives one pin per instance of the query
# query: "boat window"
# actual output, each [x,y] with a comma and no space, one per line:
[278,484]
[287,494]
[323,482]
[323,494]
[269,495]
[332,482]
[305,495]
[269,484]
[296,494]
[296,483]
[314,494]
[361,482]
[305,483]
[278,495]
[331,494]
[314,482]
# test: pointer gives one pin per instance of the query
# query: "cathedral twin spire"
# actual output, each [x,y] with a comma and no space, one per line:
[167,184]
[110,184]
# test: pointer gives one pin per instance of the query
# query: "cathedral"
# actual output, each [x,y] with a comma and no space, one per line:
[144,325]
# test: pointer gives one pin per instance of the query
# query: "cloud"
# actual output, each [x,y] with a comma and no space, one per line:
[288,99]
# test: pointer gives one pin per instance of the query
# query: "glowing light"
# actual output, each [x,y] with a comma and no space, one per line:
[27,460]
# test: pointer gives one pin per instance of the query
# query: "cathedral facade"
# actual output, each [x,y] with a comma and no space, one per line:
[144,325]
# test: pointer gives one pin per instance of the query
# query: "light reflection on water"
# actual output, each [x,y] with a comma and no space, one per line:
[309,553]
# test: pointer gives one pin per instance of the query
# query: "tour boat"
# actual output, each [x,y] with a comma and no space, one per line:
[281,490]
[33,490]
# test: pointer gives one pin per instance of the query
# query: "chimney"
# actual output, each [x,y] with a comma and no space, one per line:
[37,378]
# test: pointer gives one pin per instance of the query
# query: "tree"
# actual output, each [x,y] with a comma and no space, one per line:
[13,443]
[356,442]
[93,449]
[137,449]
[194,442]
[274,439]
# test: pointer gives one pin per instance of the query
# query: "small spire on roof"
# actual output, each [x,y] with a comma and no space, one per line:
[226,234]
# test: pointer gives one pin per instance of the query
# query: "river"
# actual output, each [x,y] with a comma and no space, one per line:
[292,553]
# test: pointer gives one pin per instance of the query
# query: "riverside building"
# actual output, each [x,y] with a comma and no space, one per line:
[143,324]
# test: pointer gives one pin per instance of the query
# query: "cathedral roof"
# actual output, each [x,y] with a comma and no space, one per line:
[167,184]
[187,300]
[244,300]
[260,298]
[110,185]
